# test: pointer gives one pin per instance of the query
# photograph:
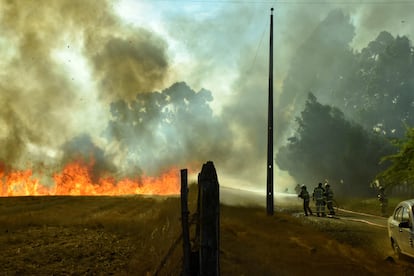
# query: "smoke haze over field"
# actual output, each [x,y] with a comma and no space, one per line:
[64,63]
[148,85]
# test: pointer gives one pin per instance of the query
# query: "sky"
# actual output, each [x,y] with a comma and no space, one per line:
[64,62]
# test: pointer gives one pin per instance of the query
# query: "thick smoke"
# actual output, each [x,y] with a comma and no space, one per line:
[75,76]
[126,66]
[325,53]
[82,148]
[45,102]
[329,31]
[175,127]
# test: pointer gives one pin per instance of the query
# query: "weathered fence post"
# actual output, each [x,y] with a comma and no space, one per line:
[209,219]
[184,222]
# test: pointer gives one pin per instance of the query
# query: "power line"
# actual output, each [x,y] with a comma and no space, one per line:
[257,49]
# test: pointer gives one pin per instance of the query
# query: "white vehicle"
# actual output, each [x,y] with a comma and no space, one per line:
[400,228]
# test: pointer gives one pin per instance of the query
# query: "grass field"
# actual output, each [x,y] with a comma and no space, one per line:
[81,235]
[132,235]
[368,205]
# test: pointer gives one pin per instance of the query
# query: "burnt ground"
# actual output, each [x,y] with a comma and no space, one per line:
[133,235]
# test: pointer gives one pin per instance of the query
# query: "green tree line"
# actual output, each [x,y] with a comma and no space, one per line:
[361,103]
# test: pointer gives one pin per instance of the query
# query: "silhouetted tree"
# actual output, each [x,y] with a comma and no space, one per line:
[381,94]
[327,146]
[323,63]
[174,127]
[373,87]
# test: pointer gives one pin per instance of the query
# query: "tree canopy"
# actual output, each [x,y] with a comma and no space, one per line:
[367,98]
[327,146]
[383,97]
[373,86]
[174,127]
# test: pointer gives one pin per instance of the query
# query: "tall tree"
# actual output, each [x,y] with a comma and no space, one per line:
[321,64]
[327,146]
[374,86]
[174,127]
[380,93]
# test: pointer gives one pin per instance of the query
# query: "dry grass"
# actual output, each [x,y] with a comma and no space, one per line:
[368,205]
[136,230]
[132,235]
[255,244]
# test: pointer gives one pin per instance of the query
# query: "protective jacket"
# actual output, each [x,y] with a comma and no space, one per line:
[319,194]
[329,195]
[304,195]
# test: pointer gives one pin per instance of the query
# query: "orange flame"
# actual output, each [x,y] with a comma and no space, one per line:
[76,179]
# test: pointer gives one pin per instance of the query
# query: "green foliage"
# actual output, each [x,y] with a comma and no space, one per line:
[401,169]
[383,98]
[372,87]
[327,146]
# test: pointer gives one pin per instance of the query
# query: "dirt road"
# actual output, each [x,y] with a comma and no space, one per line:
[369,219]
[358,229]
[290,202]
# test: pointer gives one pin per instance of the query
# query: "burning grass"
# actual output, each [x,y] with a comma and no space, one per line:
[77,178]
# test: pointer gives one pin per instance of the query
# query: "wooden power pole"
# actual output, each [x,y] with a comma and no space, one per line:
[269,194]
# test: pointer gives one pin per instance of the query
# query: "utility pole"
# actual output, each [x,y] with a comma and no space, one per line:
[269,194]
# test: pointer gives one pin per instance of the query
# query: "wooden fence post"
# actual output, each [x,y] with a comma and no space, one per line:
[184,223]
[209,220]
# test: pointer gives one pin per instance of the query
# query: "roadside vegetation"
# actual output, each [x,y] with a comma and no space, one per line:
[369,205]
[354,113]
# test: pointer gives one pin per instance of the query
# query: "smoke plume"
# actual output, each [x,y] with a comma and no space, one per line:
[76,77]
[48,51]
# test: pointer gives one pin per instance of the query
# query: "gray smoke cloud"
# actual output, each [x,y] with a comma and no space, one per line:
[43,104]
[242,45]
[126,66]
[126,107]
[172,128]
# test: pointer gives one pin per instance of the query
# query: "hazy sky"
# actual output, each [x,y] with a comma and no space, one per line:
[64,61]
[211,43]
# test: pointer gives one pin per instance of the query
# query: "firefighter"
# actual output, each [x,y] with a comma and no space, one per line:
[382,198]
[304,194]
[329,199]
[319,197]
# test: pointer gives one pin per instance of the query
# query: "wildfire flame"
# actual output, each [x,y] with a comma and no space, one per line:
[76,179]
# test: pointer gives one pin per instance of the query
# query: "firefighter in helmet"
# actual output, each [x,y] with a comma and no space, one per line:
[382,198]
[329,199]
[304,194]
[319,198]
